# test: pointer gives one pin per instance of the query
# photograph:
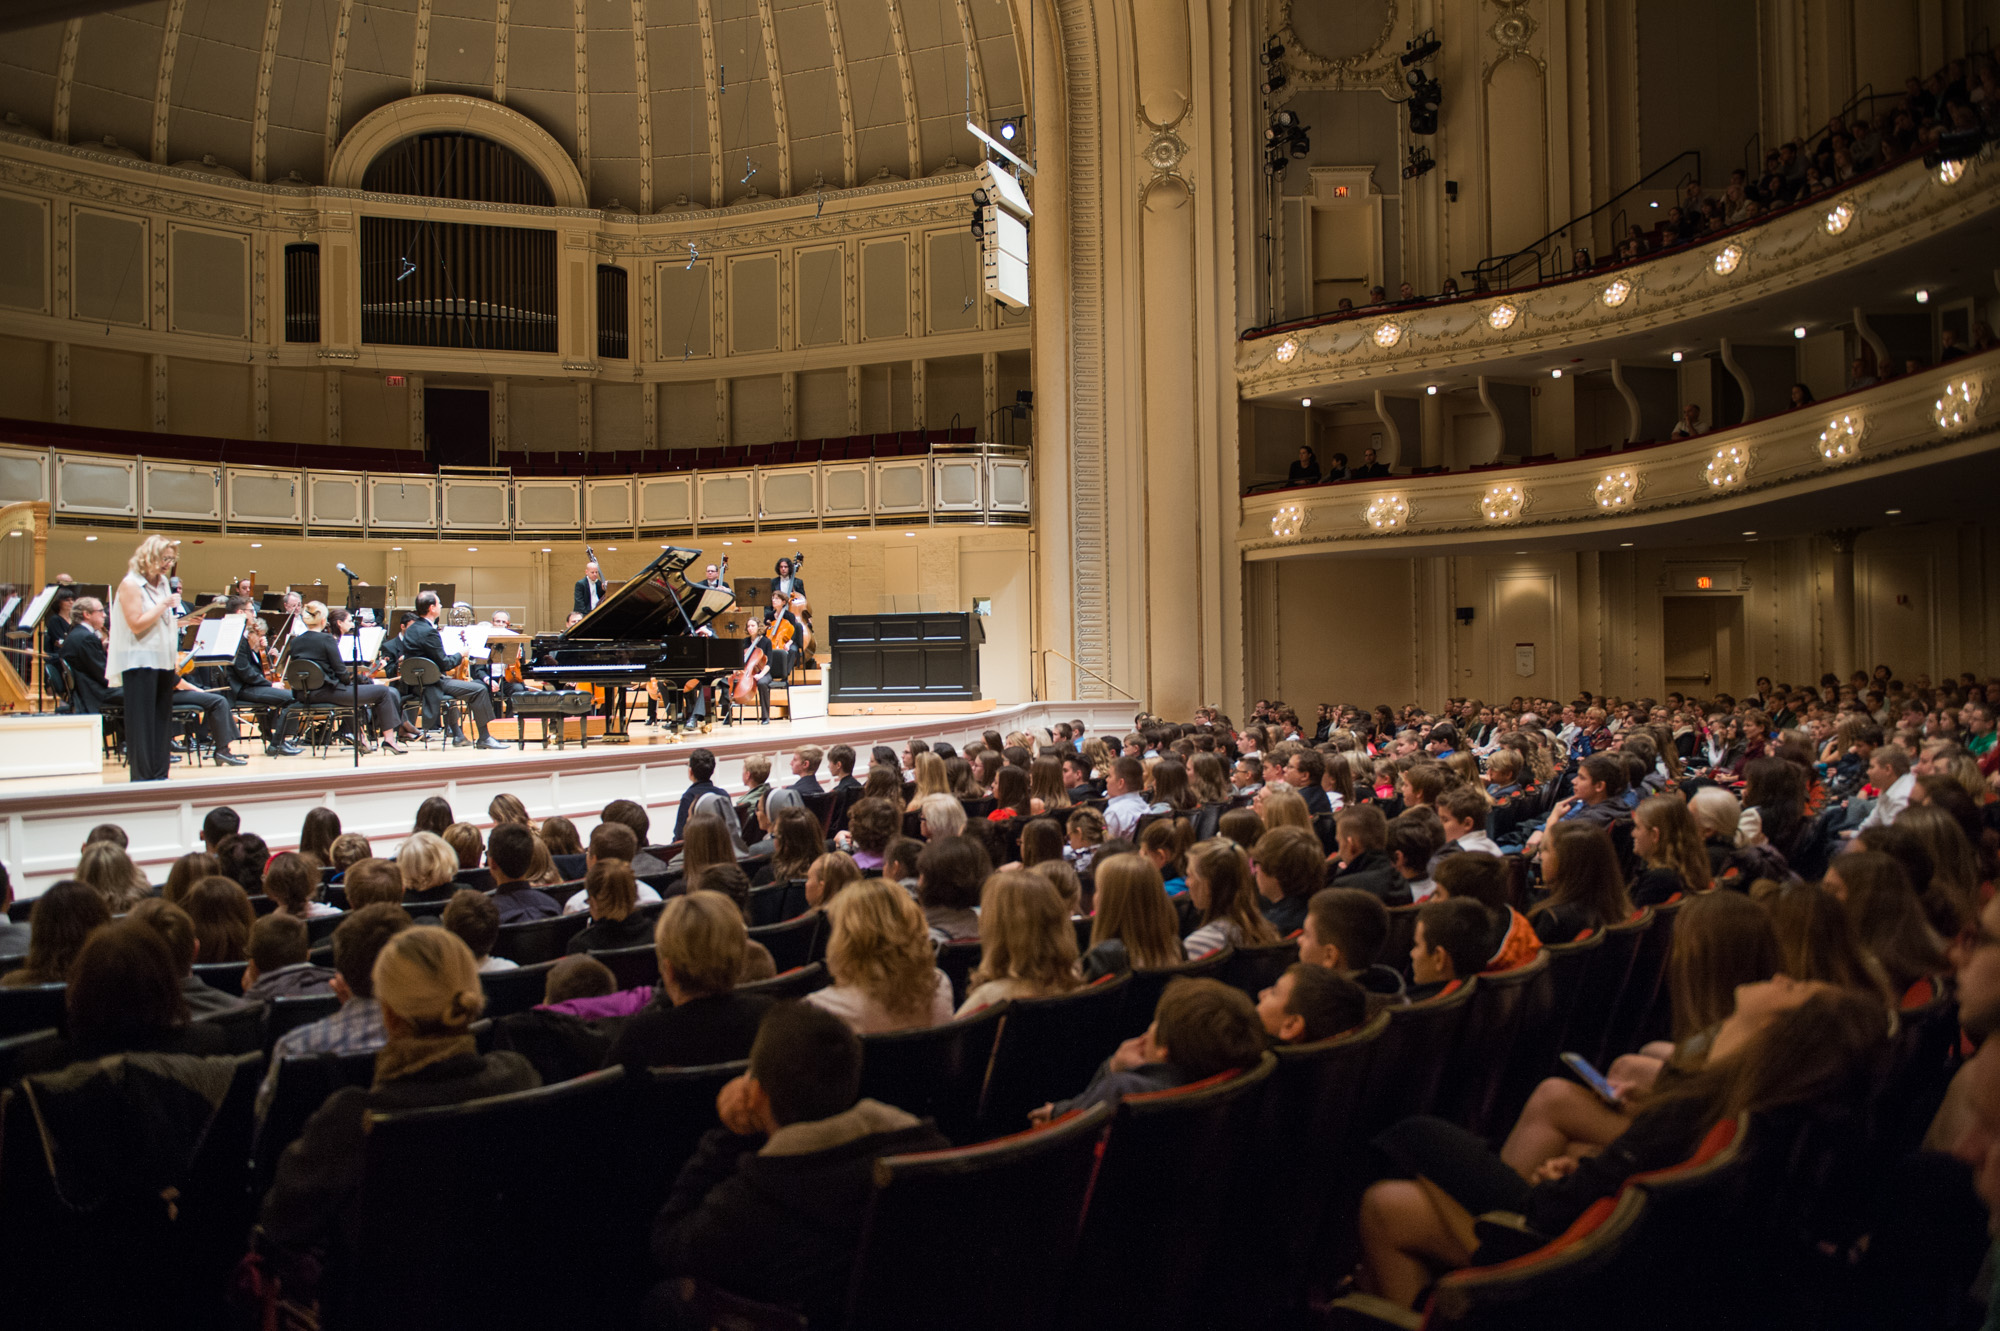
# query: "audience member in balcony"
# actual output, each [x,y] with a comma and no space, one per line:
[1305,471]
[1369,466]
[1982,337]
[1690,423]
[885,976]
[1948,347]
[1377,296]
[1580,260]
[1859,376]
[1336,469]
[1450,289]
[1406,294]
[1801,396]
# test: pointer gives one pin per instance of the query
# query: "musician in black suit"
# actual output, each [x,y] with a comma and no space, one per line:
[787,580]
[316,645]
[421,639]
[59,620]
[83,653]
[590,589]
[244,678]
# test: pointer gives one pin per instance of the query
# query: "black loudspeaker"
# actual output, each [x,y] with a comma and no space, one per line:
[1465,614]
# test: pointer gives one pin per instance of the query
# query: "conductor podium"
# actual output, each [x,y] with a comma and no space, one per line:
[905,663]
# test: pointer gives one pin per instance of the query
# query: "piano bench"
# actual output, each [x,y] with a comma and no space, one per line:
[546,706]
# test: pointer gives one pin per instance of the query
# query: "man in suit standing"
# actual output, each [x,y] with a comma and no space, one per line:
[591,588]
[421,639]
[244,678]
[83,652]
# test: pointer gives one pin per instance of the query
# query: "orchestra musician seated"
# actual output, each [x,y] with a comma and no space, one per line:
[249,683]
[316,645]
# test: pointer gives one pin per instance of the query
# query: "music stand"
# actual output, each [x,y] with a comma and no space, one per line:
[447,593]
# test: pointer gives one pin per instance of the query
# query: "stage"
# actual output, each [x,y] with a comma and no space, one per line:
[44,819]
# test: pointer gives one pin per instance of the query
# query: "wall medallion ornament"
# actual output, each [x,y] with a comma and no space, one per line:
[1512,30]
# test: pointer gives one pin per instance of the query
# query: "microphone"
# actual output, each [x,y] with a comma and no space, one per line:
[348,571]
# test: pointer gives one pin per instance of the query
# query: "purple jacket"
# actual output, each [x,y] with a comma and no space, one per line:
[621,1004]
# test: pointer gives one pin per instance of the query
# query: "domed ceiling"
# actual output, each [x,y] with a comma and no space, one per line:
[664,104]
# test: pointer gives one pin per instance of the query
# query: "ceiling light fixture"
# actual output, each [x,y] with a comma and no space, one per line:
[1678,356]
[1286,350]
[1616,293]
[1892,512]
[1305,402]
[1923,298]
[1502,316]
[1288,521]
[1838,218]
[1728,467]
[1799,332]
[1388,334]
[1841,438]
[1502,503]
[1555,374]
[1616,490]
[1430,390]
[1726,259]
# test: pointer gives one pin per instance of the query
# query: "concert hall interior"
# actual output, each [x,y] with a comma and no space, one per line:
[963,604]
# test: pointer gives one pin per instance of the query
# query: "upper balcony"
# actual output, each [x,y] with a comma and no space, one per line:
[1802,265]
[1925,440]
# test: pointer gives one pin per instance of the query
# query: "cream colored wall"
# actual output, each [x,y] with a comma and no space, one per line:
[1369,631]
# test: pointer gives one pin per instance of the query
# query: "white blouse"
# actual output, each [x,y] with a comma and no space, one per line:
[155,649]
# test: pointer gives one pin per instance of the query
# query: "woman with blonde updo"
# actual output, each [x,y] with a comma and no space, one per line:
[428,985]
[885,976]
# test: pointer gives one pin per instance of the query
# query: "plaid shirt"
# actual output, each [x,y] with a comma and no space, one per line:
[355,1029]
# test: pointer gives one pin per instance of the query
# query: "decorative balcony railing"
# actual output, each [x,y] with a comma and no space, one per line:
[1919,419]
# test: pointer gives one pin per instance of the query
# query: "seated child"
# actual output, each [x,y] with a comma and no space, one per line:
[1310,1003]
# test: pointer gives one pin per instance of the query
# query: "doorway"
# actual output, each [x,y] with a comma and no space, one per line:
[457,427]
[1701,639]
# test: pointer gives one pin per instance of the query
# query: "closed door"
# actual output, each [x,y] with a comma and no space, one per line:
[1701,641]
[1688,633]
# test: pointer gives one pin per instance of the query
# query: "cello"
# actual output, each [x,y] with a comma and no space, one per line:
[743,684]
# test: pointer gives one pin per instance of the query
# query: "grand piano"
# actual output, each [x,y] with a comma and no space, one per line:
[644,630]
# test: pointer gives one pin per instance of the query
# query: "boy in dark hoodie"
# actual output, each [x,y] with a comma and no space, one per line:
[1345,931]
[770,1206]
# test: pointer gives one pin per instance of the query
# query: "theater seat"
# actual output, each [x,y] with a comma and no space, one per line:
[1255,969]
[1048,1050]
[1147,986]
[304,1081]
[1156,1215]
[794,943]
[1538,1046]
[449,1195]
[934,1073]
[958,959]
[33,1007]
[976,1238]
[1409,1069]
[288,1014]
[516,990]
[531,942]
[1505,1007]
[794,983]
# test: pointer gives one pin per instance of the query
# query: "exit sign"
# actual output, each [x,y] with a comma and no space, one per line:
[395,381]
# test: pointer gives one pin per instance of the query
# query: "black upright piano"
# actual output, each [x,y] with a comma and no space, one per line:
[644,630]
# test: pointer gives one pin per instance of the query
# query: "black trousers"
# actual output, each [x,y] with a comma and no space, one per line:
[379,699]
[472,695]
[149,715]
[272,720]
[214,714]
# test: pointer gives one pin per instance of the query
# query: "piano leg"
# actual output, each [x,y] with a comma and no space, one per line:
[617,717]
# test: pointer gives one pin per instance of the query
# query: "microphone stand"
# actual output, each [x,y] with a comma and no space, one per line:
[354,674]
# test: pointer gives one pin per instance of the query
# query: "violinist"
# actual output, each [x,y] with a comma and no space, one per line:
[316,645]
[245,679]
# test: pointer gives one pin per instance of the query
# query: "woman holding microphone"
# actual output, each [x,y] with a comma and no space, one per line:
[143,657]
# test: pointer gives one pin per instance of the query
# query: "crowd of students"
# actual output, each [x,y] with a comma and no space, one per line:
[1832,847]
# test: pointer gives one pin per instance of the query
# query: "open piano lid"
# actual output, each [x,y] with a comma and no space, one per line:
[644,607]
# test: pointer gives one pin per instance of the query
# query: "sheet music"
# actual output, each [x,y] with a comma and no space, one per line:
[37,606]
[7,611]
[466,641]
[217,638]
[371,643]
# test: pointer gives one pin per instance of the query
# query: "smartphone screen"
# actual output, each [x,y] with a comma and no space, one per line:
[1592,1078]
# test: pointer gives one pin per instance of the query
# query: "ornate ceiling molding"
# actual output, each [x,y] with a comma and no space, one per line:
[387,126]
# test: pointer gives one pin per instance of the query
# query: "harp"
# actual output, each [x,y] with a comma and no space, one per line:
[24,553]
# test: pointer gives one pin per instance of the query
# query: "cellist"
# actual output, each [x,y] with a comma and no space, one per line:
[787,634]
[757,666]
